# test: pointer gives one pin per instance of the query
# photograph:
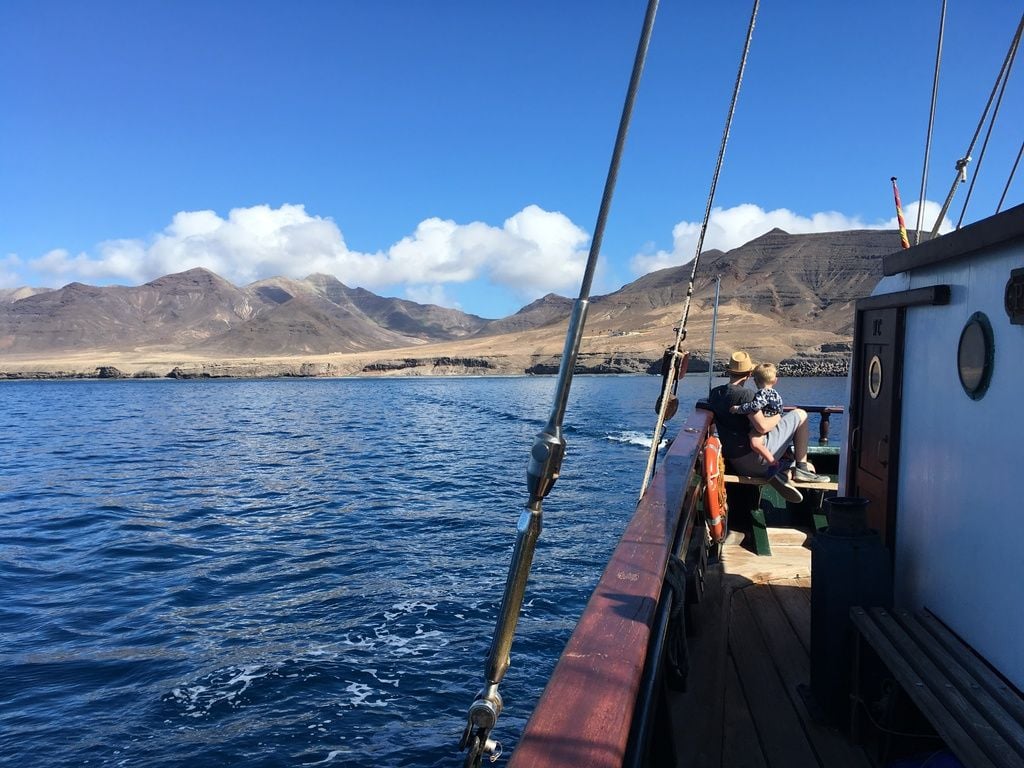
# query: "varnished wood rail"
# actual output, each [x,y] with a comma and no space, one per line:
[584,716]
[825,411]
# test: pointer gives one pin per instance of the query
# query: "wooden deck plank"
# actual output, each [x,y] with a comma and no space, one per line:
[766,602]
[790,557]
[795,598]
[792,661]
[740,745]
[698,713]
[779,728]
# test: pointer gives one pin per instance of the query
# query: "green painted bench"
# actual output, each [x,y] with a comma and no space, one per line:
[766,493]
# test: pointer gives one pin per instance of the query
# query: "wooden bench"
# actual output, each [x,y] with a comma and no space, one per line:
[760,527]
[977,714]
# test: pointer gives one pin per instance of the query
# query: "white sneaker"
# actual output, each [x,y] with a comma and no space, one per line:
[807,476]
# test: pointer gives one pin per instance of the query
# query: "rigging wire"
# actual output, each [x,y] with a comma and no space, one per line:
[681,330]
[961,164]
[1010,179]
[545,458]
[991,124]
[714,332]
[931,124]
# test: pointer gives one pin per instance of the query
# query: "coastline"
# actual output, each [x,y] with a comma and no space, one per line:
[97,365]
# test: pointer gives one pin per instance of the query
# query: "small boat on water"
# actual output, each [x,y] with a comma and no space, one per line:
[876,622]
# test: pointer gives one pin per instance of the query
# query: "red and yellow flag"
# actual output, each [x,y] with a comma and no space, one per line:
[899,215]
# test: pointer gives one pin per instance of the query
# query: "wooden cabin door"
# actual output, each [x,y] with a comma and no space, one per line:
[876,394]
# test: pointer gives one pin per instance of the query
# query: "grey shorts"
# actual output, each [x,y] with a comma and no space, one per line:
[776,441]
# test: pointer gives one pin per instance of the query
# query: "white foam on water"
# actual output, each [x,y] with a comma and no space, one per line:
[363,643]
[632,437]
[384,680]
[422,640]
[197,700]
[245,676]
[407,607]
[334,753]
[361,694]
[386,637]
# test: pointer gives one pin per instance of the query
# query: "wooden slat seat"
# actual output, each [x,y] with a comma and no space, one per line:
[976,713]
[831,485]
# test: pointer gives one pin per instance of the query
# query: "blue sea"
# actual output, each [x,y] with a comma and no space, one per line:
[294,572]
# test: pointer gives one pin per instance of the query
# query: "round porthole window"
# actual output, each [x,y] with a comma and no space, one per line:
[975,355]
[874,377]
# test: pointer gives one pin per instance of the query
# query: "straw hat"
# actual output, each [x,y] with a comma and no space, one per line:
[740,363]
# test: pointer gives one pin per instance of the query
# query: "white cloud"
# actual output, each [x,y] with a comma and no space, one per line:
[534,252]
[546,253]
[730,228]
[9,277]
[430,294]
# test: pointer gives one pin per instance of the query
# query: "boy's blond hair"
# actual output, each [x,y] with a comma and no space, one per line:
[765,374]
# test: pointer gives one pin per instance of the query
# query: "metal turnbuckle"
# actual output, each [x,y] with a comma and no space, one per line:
[483,715]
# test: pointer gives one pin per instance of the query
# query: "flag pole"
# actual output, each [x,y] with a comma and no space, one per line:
[899,215]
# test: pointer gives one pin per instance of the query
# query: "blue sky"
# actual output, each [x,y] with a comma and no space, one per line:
[455,152]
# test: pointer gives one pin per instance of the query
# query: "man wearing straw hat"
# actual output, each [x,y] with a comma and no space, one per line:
[779,432]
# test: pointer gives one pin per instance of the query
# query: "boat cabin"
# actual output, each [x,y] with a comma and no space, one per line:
[934,433]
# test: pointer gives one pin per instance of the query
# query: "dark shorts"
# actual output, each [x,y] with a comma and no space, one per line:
[776,441]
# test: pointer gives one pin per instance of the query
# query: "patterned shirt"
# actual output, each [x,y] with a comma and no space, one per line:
[767,401]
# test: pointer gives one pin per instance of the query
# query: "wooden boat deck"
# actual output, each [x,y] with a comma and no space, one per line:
[743,706]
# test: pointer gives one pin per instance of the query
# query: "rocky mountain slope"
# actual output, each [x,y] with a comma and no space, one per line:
[199,311]
[787,298]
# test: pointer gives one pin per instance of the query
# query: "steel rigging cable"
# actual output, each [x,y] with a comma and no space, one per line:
[1011,56]
[545,457]
[961,164]
[676,354]
[931,124]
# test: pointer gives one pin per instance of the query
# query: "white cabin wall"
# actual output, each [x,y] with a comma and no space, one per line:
[960,522]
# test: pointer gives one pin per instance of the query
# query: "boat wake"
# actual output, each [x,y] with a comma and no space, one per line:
[632,437]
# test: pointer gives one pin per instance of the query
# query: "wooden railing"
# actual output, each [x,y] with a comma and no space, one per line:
[584,716]
[825,411]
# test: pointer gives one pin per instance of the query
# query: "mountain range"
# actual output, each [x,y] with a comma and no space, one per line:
[783,296]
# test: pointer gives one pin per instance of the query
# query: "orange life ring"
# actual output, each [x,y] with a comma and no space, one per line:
[715,506]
